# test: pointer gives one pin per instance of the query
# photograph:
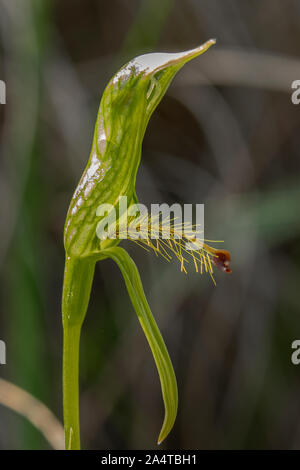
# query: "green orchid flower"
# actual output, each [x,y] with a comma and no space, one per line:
[126,106]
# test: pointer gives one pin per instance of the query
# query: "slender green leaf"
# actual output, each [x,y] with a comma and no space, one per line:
[153,335]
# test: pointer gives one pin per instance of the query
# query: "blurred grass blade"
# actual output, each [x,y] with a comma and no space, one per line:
[155,340]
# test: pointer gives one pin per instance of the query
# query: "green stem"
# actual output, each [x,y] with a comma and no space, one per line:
[70,386]
[79,273]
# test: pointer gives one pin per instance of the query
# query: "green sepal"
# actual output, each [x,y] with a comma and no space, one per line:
[126,106]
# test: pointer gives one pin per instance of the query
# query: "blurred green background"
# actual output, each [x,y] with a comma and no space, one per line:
[227,135]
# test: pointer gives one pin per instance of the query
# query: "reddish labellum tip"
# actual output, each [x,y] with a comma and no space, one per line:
[221,259]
